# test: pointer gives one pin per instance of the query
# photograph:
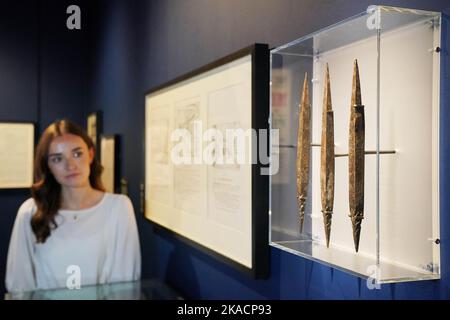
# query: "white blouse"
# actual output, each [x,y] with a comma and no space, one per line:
[100,244]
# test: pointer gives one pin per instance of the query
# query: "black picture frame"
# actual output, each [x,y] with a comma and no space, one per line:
[94,129]
[260,256]
[110,155]
[17,129]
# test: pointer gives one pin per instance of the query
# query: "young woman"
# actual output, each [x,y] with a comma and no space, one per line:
[71,227]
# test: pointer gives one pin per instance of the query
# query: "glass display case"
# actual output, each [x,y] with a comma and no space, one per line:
[148,289]
[385,132]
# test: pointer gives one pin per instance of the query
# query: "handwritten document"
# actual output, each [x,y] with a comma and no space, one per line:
[16,155]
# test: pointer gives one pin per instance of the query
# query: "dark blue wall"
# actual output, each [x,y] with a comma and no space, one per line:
[142,43]
[145,43]
[44,73]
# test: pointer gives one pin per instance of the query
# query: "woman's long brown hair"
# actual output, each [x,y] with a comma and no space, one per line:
[46,191]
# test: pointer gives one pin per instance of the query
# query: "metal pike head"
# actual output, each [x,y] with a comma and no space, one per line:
[303,151]
[356,157]
[327,91]
[305,92]
[356,226]
[356,86]
[327,158]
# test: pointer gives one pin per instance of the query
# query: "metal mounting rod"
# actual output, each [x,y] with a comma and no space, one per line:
[367,152]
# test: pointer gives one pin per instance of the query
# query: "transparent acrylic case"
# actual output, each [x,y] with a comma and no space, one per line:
[398,56]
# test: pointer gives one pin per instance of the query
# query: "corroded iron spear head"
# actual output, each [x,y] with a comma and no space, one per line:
[327,158]
[356,156]
[303,151]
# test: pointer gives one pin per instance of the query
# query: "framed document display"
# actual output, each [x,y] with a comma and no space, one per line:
[16,155]
[94,129]
[110,160]
[203,177]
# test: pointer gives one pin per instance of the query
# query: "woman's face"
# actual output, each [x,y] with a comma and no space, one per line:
[69,160]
